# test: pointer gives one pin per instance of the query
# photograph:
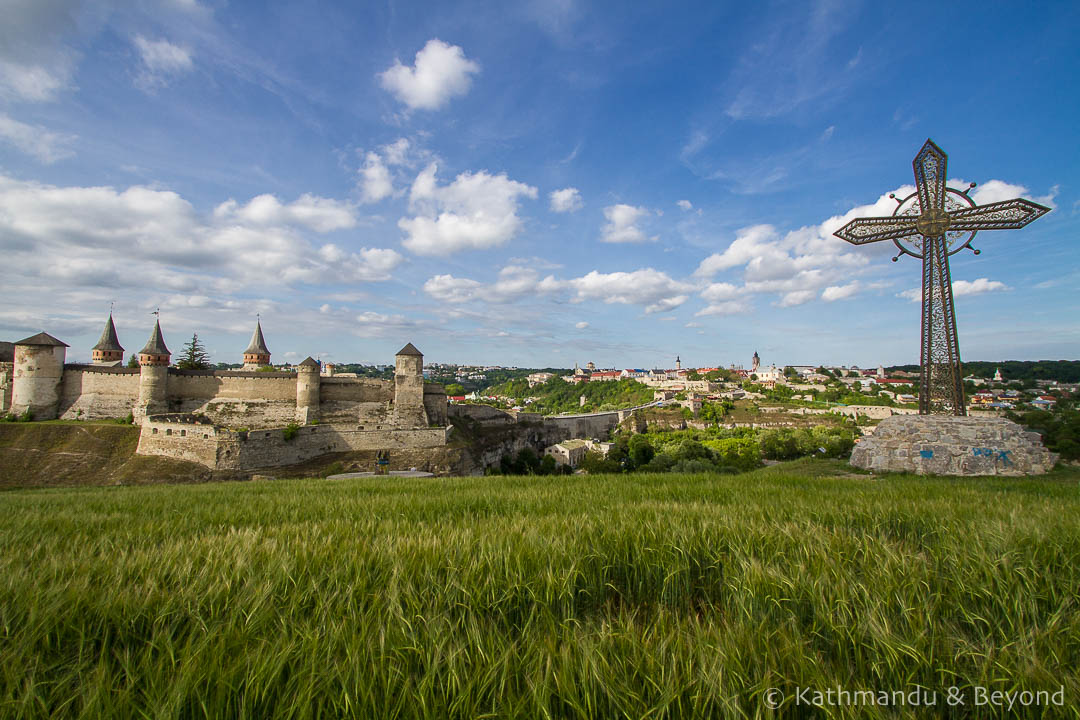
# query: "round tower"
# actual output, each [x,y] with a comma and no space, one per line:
[153,376]
[108,350]
[256,355]
[307,392]
[38,372]
[409,388]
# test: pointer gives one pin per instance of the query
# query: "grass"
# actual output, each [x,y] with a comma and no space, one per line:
[607,596]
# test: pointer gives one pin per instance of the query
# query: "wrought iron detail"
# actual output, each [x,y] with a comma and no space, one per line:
[931,224]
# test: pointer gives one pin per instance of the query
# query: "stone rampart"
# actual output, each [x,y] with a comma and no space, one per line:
[873,412]
[222,449]
[362,400]
[7,372]
[237,399]
[946,445]
[96,393]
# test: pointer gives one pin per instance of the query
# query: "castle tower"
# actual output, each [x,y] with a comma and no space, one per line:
[307,391]
[754,364]
[409,388]
[108,350]
[153,376]
[39,369]
[256,354]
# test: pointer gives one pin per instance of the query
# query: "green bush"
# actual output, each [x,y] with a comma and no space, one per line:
[290,431]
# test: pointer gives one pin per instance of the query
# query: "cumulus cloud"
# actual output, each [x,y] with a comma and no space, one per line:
[648,287]
[961,288]
[476,211]
[622,224]
[730,307]
[685,205]
[375,183]
[840,292]
[566,200]
[46,146]
[319,214]
[35,62]
[441,72]
[161,61]
[581,325]
[101,237]
[397,152]
[655,291]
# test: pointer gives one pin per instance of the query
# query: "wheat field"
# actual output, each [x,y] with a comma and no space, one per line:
[635,596]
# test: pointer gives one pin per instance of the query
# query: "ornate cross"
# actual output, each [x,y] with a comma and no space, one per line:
[933,223]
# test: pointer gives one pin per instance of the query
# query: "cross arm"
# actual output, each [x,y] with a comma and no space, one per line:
[930,167]
[1004,215]
[867,230]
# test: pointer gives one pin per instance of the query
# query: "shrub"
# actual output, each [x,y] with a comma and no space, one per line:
[289,432]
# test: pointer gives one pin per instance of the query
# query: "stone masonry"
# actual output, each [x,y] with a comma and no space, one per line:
[946,445]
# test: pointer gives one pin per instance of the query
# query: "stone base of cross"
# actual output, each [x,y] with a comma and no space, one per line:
[933,223]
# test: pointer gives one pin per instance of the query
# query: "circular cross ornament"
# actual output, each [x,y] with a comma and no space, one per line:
[934,222]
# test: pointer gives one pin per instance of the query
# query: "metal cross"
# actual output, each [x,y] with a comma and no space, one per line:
[933,223]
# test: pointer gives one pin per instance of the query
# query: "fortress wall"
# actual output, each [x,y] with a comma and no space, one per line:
[352,400]
[222,449]
[251,400]
[484,414]
[99,392]
[7,372]
[585,426]
[181,441]
[435,404]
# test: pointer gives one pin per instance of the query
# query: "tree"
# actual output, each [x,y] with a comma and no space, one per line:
[693,375]
[641,451]
[455,389]
[194,355]
[133,361]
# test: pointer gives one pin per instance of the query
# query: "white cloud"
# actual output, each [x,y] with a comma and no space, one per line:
[717,292]
[997,190]
[319,214]
[961,288]
[731,307]
[622,224]
[651,288]
[46,146]
[447,288]
[840,292]
[375,183]
[441,72]
[99,237]
[397,152]
[685,205]
[581,325]
[161,61]
[476,211]
[566,200]
[35,61]
[797,297]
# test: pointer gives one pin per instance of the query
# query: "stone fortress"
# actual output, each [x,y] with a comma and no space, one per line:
[231,419]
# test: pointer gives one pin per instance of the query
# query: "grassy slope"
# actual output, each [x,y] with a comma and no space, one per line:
[683,596]
[61,453]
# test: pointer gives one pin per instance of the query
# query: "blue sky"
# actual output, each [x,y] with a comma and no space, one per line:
[532,184]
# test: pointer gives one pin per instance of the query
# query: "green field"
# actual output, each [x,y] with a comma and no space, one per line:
[605,596]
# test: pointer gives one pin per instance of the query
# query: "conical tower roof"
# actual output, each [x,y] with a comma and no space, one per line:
[42,338]
[257,346]
[409,349]
[108,341]
[155,345]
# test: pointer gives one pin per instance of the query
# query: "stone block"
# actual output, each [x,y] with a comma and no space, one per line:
[946,445]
